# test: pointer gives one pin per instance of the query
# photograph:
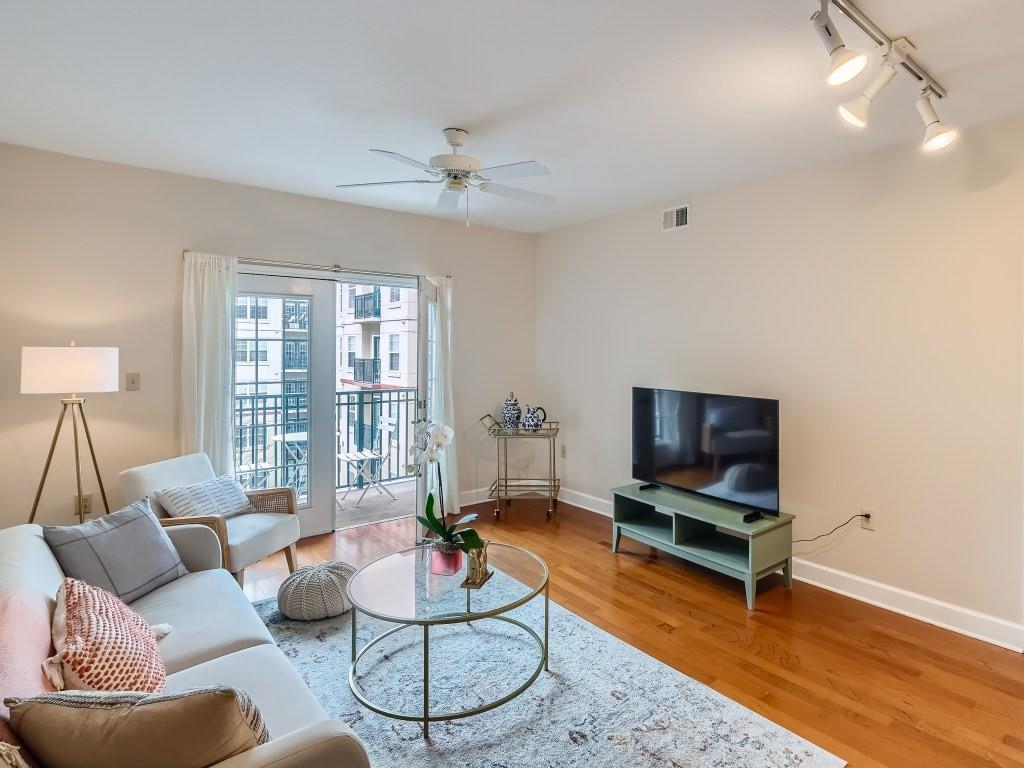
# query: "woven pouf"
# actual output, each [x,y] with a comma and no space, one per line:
[316,591]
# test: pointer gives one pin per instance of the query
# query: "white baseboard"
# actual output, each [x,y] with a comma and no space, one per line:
[586,501]
[981,626]
[955,618]
[475,496]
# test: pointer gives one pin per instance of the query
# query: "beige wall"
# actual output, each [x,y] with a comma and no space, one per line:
[92,251]
[879,298]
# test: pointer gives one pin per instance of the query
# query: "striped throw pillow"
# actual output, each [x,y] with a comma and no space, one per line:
[220,497]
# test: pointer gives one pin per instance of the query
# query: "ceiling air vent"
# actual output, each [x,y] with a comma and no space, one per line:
[675,218]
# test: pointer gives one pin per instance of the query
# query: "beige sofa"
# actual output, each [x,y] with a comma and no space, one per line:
[216,638]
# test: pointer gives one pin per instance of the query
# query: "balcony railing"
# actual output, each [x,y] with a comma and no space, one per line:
[366,370]
[271,438]
[358,416]
[367,305]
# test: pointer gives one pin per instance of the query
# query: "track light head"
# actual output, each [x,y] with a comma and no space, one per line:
[844,63]
[855,112]
[936,135]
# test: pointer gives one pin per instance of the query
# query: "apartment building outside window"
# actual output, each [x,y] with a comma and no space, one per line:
[296,355]
[251,308]
[393,354]
[250,351]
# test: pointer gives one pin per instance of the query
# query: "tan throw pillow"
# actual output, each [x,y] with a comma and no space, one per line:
[90,729]
[101,644]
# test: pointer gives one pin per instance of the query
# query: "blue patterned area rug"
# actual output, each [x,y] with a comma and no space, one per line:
[604,703]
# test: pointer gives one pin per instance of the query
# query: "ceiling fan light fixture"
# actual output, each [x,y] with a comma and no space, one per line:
[936,135]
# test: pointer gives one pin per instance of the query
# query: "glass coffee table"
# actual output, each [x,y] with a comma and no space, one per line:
[400,589]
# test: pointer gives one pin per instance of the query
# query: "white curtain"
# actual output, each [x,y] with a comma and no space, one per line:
[207,315]
[442,404]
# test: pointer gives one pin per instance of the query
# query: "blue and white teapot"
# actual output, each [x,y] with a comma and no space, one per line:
[533,421]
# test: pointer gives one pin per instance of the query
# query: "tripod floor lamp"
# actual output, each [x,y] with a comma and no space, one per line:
[71,371]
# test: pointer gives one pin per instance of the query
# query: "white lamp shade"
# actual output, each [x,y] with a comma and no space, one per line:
[68,370]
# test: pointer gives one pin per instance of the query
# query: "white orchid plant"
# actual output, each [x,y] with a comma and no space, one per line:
[429,441]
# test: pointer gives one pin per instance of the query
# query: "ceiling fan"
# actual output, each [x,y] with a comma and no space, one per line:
[459,174]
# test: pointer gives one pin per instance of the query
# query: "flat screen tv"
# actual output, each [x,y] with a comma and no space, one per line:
[720,447]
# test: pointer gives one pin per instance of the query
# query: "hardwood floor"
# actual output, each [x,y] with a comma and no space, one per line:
[873,687]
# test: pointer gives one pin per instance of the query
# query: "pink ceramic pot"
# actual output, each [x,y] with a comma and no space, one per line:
[444,563]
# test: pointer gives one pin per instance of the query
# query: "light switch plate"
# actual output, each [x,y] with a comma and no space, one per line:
[132,382]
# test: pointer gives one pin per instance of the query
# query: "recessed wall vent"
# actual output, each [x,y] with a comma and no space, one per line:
[675,218]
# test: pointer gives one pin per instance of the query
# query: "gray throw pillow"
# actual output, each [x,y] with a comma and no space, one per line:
[126,553]
[220,497]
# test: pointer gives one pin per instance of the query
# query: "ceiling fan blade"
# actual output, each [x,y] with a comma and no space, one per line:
[381,183]
[448,200]
[406,160]
[522,195]
[514,170]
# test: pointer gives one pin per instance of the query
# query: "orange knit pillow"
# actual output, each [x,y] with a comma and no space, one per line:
[102,644]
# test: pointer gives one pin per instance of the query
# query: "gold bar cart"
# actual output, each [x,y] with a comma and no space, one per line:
[506,488]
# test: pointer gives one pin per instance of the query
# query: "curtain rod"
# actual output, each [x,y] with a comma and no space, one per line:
[337,268]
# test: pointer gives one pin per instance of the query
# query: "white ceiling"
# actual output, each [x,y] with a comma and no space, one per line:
[629,102]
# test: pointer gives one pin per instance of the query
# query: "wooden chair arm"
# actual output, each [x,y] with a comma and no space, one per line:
[273,500]
[219,526]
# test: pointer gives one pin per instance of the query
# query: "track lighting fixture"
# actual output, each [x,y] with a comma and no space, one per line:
[855,111]
[844,64]
[936,135]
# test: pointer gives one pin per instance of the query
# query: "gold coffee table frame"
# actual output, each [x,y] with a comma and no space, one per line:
[426,716]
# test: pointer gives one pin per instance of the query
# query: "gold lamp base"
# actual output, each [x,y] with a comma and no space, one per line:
[75,405]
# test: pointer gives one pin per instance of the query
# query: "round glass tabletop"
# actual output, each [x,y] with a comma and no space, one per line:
[401,588]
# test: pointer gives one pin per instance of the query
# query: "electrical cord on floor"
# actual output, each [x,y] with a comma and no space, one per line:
[822,536]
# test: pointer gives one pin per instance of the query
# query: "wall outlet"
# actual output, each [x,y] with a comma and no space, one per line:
[868,523]
[563,450]
[86,504]
[132,382]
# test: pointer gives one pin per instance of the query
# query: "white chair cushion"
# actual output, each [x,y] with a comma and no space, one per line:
[253,536]
[139,482]
[209,617]
[270,680]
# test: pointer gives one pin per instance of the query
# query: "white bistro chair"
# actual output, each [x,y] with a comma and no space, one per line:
[245,539]
[369,465]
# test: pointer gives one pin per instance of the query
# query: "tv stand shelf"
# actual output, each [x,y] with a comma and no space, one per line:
[705,533]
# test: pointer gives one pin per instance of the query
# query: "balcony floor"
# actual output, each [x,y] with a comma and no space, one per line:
[376,507]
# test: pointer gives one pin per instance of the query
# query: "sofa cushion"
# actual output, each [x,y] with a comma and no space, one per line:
[268,677]
[209,615]
[102,644]
[91,729]
[253,537]
[29,580]
[218,497]
[126,553]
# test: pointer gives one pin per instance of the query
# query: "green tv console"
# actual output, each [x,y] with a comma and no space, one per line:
[706,533]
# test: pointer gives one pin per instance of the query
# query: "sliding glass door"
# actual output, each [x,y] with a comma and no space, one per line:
[328,375]
[284,371]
